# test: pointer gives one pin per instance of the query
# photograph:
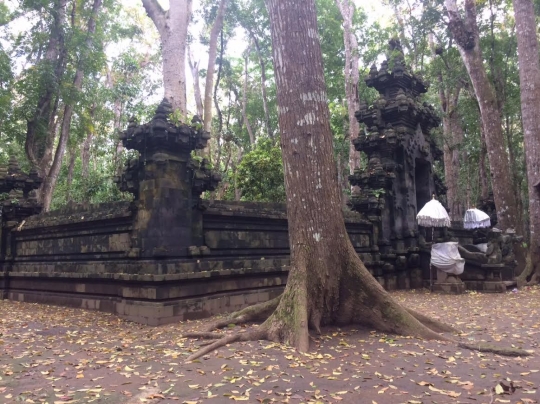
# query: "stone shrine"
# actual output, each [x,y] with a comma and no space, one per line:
[399,179]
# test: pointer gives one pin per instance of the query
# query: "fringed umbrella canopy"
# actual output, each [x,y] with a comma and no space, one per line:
[475,218]
[433,214]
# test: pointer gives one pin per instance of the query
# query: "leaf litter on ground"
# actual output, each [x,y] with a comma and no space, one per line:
[62,355]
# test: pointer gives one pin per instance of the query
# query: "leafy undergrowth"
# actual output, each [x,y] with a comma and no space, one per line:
[60,355]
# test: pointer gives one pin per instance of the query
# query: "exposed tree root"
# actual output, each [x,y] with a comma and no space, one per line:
[435,325]
[205,335]
[257,312]
[254,335]
[531,274]
[362,300]
[493,349]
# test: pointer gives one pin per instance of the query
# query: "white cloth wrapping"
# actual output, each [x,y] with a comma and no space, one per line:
[482,247]
[475,218]
[445,256]
[433,214]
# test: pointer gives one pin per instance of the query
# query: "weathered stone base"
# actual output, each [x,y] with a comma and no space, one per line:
[486,286]
[153,313]
[450,288]
[149,292]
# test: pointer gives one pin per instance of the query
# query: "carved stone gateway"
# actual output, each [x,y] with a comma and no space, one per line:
[399,177]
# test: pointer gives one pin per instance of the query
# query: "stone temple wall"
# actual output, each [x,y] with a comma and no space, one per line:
[85,257]
[169,255]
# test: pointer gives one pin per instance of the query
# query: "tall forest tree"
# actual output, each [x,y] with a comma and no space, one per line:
[172,26]
[327,283]
[466,34]
[529,76]
[69,107]
[41,125]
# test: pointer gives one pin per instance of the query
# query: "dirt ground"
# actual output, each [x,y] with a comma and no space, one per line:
[60,355]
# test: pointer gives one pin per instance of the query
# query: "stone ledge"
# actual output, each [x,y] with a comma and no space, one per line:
[151,313]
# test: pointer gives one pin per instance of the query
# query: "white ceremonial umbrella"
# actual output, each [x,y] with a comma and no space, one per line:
[433,214]
[475,218]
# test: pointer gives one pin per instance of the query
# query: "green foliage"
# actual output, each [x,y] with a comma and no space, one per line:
[260,174]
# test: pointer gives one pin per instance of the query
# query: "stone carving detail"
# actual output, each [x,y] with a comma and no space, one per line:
[18,193]
[160,141]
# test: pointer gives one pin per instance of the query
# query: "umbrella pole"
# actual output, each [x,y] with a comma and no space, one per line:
[430,278]
[430,266]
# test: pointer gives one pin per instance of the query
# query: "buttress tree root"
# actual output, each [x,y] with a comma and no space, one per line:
[531,273]
[359,300]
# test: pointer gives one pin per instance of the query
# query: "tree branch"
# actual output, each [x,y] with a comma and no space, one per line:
[157,15]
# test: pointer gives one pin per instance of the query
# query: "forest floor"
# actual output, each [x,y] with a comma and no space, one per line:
[61,355]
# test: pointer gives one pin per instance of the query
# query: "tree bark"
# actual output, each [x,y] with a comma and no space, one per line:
[50,181]
[352,76]
[212,53]
[172,26]
[529,77]
[465,33]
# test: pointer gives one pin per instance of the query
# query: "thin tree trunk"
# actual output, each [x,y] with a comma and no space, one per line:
[516,168]
[212,53]
[194,67]
[216,103]
[352,77]
[482,171]
[237,190]
[69,180]
[529,76]
[452,138]
[50,181]
[173,30]
[262,65]
[244,100]
[85,154]
[465,33]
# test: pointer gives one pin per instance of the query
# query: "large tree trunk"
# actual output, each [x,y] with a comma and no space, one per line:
[327,284]
[50,181]
[529,76]
[352,76]
[173,29]
[465,33]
